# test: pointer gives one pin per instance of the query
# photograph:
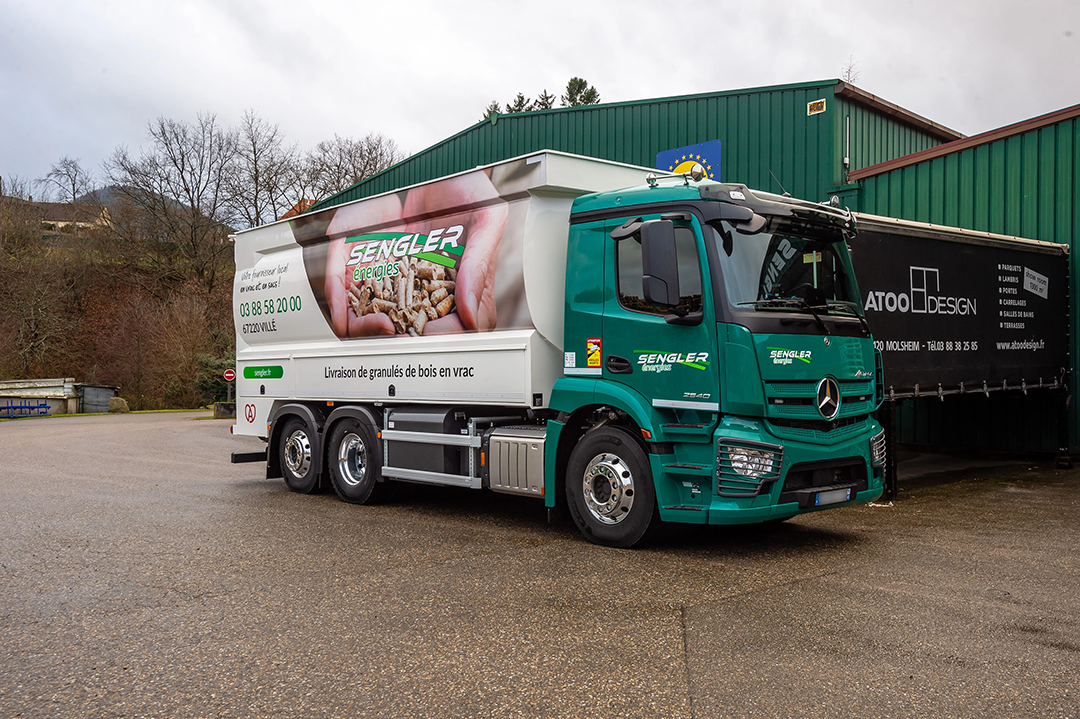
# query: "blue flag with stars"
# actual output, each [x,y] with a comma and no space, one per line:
[706,154]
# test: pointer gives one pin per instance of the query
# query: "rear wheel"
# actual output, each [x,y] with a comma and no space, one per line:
[609,488]
[354,460]
[296,458]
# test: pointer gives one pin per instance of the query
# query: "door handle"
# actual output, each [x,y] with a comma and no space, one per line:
[619,365]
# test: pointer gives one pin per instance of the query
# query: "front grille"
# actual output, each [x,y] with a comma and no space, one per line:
[796,400]
[818,425]
[806,431]
[807,388]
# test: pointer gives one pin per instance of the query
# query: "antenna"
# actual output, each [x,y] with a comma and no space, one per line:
[786,193]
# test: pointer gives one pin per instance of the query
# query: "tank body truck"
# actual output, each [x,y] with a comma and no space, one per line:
[636,348]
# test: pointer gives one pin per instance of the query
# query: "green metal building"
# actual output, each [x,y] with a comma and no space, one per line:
[1018,180]
[815,140]
[800,134]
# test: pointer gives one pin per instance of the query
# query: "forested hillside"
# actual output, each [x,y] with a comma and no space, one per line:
[123,276]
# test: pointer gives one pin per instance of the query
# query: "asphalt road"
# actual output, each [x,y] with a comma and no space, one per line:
[142,575]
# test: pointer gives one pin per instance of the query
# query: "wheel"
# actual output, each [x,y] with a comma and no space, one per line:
[354,458]
[296,459]
[609,488]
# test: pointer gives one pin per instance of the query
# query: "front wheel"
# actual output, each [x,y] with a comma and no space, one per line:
[609,488]
[354,460]
[296,458]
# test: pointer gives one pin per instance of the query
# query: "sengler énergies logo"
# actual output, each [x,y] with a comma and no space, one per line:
[781,355]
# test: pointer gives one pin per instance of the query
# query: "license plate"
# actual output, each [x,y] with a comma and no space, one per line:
[833,496]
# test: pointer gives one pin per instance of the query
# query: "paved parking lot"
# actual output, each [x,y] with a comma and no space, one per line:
[142,575]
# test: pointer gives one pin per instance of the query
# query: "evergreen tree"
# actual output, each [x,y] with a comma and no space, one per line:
[579,92]
[520,104]
[493,109]
[544,101]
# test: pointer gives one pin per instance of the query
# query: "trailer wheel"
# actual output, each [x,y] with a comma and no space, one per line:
[609,488]
[296,458]
[354,460]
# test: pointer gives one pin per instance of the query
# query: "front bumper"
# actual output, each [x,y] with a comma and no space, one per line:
[812,476]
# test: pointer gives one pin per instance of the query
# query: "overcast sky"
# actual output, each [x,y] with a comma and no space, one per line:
[81,78]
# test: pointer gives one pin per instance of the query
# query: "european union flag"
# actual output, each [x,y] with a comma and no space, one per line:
[681,159]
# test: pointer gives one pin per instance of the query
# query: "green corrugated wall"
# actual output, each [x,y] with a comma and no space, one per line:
[1024,185]
[873,136]
[760,129]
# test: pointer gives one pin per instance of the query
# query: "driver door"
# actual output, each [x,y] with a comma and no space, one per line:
[674,366]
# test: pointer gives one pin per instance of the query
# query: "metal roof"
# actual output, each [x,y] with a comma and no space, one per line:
[873,102]
[769,137]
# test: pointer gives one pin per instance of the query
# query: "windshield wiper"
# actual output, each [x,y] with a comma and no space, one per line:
[776,302]
[790,302]
[850,307]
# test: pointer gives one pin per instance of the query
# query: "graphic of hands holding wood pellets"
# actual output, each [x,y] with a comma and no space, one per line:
[436,259]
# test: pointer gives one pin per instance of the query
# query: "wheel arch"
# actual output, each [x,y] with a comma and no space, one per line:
[576,425]
[363,414]
[314,422]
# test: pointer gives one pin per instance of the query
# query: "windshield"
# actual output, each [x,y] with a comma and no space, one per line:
[784,270]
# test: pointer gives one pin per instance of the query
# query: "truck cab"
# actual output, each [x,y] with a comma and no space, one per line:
[717,366]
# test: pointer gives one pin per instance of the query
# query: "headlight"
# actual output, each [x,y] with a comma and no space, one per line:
[751,462]
[743,467]
[877,449]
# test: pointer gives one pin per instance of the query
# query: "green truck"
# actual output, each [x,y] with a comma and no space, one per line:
[638,348]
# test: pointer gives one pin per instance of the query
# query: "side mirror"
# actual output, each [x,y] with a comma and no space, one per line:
[659,263]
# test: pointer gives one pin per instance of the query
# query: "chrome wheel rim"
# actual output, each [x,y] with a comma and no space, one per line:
[608,488]
[352,459]
[298,453]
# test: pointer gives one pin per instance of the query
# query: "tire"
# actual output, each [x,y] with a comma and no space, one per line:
[354,458]
[297,458]
[609,488]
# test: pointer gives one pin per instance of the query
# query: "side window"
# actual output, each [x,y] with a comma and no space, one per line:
[628,260]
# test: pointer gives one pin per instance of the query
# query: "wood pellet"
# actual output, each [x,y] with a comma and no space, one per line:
[422,291]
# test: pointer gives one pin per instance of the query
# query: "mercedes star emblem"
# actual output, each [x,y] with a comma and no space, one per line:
[828,398]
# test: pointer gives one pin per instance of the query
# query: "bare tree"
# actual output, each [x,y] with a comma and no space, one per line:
[20,219]
[67,181]
[267,178]
[177,194]
[38,312]
[182,337]
[338,164]
[38,298]
[849,73]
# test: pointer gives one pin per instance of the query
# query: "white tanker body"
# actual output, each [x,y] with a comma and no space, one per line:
[394,297]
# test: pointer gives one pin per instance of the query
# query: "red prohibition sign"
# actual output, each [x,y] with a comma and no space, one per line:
[229,375]
[249,412]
